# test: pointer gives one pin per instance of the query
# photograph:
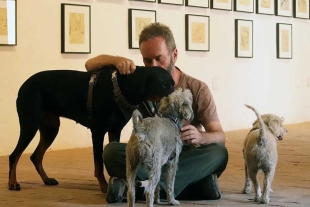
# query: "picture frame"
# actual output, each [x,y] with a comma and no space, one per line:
[243,38]
[301,9]
[151,1]
[244,6]
[266,7]
[221,4]
[284,41]
[197,32]
[172,2]
[284,8]
[197,3]
[137,20]
[75,28]
[8,23]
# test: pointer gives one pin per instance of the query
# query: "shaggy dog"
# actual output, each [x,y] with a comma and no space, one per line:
[156,141]
[260,153]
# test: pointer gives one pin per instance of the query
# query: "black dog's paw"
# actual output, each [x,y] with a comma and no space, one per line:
[14,186]
[51,181]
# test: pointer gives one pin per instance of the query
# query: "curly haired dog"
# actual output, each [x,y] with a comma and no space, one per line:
[156,141]
[260,153]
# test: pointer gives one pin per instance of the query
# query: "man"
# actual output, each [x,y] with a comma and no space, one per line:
[203,157]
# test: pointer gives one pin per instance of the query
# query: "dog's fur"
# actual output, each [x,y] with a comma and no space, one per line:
[156,141]
[48,95]
[260,153]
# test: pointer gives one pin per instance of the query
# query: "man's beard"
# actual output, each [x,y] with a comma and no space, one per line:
[171,65]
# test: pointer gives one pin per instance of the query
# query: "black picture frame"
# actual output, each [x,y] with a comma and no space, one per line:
[236,9]
[198,47]
[277,12]
[81,44]
[9,34]
[132,32]
[278,39]
[188,4]
[212,6]
[295,13]
[237,52]
[271,10]
[152,1]
[170,2]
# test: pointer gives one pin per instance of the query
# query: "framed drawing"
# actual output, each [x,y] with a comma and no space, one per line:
[284,8]
[221,4]
[197,32]
[243,38]
[244,6]
[8,20]
[284,41]
[265,7]
[137,20]
[153,1]
[301,9]
[197,3]
[75,28]
[174,2]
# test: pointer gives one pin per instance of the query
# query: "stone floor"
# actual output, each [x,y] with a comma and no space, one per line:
[78,187]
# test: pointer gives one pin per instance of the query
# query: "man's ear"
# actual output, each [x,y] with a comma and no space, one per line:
[175,55]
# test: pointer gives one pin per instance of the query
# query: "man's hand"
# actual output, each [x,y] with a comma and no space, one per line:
[191,135]
[124,65]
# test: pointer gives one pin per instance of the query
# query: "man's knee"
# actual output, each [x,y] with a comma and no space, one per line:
[219,153]
[109,151]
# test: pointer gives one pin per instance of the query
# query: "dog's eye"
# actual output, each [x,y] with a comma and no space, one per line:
[164,86]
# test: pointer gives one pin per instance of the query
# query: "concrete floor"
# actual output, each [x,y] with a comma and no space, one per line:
[78,187]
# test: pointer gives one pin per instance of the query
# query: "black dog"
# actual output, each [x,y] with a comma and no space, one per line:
[102,105]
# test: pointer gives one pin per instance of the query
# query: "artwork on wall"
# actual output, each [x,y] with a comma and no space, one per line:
[243,38]
[265,7]
[197,3]
[75,28]
[174,2]
[8,20]
[145,0]
[137,20]
[284,8]
[244,6]
[284,41]
[221,4]
[301,9]
[197,32]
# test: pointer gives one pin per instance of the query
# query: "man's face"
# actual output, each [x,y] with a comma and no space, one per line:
[156,53]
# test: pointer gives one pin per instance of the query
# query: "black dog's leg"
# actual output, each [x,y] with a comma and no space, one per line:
[49,127]
[97,139]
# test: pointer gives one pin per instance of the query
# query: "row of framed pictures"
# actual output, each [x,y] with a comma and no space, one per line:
[287,8]
[197,33]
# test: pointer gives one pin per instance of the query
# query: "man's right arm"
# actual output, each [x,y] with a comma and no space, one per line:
[124,65]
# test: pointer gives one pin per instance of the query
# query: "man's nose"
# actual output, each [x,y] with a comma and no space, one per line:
[154,63]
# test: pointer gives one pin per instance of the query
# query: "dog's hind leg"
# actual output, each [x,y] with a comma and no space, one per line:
[49,127]
[28,129]
[157,194]
[131,172]
[247,182]
[253,176]
[267,186]
[154,177]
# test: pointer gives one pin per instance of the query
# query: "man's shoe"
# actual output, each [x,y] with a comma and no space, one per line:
[211,189]
[117,190]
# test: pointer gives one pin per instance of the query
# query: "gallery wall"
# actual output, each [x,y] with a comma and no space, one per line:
[280,86]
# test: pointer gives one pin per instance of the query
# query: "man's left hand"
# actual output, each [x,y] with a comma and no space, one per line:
[191,135]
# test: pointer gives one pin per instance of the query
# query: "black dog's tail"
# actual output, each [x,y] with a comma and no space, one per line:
[136,120]
[262,129]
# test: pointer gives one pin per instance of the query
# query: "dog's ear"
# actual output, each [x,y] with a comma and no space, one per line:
[186,110]
[163,104]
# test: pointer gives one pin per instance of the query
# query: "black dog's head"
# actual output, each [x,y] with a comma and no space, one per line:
[159,83]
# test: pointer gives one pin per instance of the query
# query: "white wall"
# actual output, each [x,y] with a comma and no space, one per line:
[270,84]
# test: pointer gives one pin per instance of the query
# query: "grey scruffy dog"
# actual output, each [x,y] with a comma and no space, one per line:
[156,141]
[260,153]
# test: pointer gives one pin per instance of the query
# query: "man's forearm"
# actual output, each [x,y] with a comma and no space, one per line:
[212,137]
[99,61]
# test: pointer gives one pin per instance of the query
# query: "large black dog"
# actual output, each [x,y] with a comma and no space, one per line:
[102,102]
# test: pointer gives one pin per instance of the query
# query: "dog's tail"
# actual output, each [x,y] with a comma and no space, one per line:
[136,120]
[262,129]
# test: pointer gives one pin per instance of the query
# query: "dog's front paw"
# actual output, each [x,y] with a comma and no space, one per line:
[174,202]
[264,200]
[157,201]
[14,186]
[257,198]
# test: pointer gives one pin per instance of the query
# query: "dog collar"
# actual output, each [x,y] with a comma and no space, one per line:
[118,96]
[174,120]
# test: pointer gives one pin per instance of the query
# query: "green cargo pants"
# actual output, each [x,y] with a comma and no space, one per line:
[194,165]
